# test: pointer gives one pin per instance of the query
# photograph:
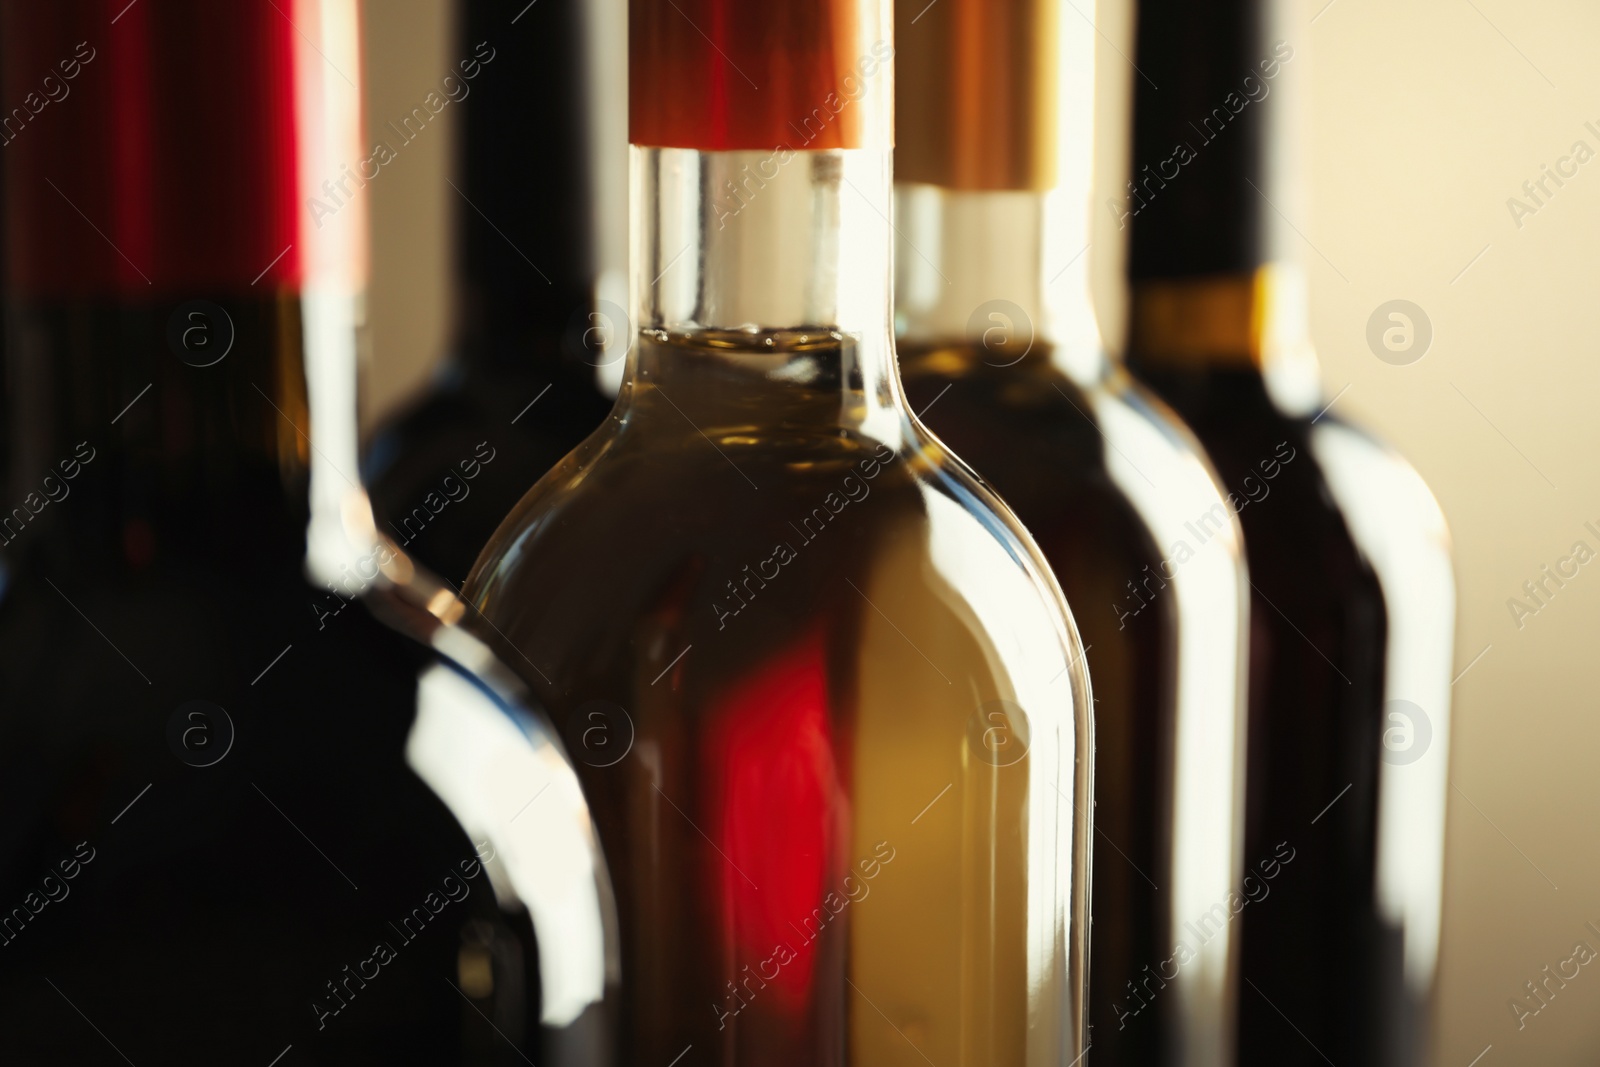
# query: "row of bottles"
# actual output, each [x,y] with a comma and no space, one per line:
[1263,591]
[760,731]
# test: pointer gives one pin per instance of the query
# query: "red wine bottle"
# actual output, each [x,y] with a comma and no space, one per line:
[216,848]
[1002,356]
[1353,600]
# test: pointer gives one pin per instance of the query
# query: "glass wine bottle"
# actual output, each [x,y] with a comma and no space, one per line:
[845,788]
[535,317]
[1002,357]
[215,847]
[1353,604]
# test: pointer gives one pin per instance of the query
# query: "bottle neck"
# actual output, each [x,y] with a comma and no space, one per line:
[1214,197]
[526,275]
[768,267]
[997,134]
[180,358]
[121,461]
[1006,270]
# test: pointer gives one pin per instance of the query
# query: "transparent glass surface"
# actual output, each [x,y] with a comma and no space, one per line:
[1147,551]
[1000,354]
[826,703]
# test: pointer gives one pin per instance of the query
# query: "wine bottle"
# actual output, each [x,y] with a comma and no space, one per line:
[1001,354]
[534,312]
[1353,600]
[849,822]
[215,849]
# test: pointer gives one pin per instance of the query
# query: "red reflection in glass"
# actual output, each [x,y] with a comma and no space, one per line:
[779,815]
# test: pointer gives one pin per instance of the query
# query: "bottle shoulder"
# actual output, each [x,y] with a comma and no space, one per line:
[188,727]
[1048,416]
[625,537]
[1098,471]
[710,482]
[1392,515]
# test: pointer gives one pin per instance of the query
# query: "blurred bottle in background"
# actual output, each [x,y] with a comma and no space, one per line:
[214,849]
[1353,606]
[539,251]
[846,795]
[1002,357]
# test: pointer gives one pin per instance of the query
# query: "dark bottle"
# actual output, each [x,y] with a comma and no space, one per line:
[1002,357]
[852,824]
[214,849]
[535,314]
[1353,603]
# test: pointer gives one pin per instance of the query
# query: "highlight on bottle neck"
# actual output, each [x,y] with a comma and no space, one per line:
[994,171]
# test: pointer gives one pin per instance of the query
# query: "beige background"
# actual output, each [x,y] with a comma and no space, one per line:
[1424,118]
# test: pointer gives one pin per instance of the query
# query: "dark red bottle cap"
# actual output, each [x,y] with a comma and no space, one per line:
[178,146]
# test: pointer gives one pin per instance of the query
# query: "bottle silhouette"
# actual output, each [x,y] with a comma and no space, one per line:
[1002,356]
[216,846]
[1353,600]
[849,824]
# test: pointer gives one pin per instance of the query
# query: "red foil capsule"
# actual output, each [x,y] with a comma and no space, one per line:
[723,75]
[175,146]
